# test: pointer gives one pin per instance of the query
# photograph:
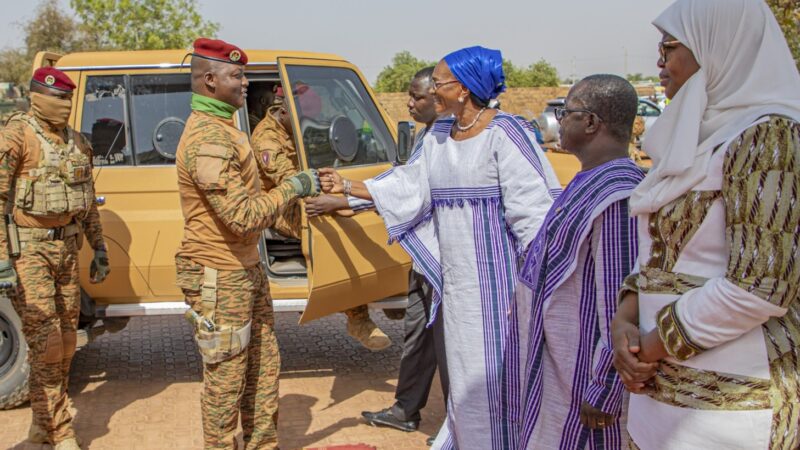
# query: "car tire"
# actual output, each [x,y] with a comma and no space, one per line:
[14,368]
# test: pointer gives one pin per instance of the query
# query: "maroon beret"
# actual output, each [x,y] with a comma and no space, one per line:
[218,50]
[53,78]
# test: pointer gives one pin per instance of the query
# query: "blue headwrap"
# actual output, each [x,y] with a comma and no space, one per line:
[480,70]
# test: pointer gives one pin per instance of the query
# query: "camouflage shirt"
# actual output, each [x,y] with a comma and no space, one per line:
[20,152]
[277,160]
[223,206]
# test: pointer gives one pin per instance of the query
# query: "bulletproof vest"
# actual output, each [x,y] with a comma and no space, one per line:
[61,184]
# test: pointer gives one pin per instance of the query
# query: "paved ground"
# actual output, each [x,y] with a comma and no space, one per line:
[140,389]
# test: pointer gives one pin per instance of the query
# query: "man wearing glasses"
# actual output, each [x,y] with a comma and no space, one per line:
[584,250]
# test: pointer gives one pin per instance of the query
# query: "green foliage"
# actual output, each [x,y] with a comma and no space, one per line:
[142,24]
[635,78]
[397,76]
[538,74]
[104,24]
[787,12]
[51,29]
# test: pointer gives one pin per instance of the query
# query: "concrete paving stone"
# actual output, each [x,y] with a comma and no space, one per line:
[140,388]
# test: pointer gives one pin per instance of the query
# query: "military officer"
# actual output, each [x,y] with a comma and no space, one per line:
[277,158]
[218,265]
[53,206]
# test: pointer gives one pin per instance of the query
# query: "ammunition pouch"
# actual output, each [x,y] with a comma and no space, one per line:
[227,342]
[224,342]
[61,184]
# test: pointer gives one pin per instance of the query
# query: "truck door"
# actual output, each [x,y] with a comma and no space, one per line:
[349,260]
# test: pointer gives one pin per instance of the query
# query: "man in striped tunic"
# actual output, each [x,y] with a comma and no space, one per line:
[571,395]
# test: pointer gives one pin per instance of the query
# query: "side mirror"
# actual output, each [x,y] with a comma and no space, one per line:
[405,140]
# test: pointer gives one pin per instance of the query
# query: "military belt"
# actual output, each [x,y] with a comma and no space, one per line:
[48,234]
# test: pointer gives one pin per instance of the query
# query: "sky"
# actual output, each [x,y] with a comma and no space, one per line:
[579,37]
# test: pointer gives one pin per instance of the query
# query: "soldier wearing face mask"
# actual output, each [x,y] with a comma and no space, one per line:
[46,180]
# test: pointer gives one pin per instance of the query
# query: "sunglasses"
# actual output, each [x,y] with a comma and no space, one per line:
[662,49]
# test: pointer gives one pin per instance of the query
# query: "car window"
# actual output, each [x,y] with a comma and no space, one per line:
[338,109]
[647,110]
[160,105]
[103,120]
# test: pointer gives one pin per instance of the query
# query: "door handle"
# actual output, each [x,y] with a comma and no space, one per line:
[100,201]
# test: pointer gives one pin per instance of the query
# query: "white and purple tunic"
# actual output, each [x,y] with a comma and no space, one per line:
[566,299]
[465,211]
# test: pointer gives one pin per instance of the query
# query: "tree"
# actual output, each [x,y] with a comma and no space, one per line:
[538,74]
[142,24]
[787,12]
[51,29]
[397,76]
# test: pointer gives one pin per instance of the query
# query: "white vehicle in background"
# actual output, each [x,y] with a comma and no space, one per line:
[548,124]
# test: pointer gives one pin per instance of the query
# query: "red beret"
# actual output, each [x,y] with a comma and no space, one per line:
[218,50]
[309,101]
[53,78]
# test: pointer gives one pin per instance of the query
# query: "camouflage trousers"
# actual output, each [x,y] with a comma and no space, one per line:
[247,383]
[48,303]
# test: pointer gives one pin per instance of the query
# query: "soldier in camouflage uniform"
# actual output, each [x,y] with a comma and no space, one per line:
[53,205]
[277,159]
[218,262]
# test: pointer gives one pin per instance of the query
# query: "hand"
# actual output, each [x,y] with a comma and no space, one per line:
[332,182]
[100,268]
[325,204]
[305,183]
[8,277]
[593,418]
[632,372]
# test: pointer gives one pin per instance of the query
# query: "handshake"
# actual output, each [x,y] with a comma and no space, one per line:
[309,183]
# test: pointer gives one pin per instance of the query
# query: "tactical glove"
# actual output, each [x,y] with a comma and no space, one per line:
[306,183]
[99,269]
[8,276]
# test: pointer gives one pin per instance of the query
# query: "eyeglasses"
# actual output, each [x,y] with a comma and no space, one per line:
[439,84]
[561,112]
[662,49]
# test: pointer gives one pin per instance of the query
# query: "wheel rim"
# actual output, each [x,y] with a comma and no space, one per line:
[9,340]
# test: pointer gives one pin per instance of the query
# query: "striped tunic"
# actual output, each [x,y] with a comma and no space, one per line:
[464,211]
[566,299]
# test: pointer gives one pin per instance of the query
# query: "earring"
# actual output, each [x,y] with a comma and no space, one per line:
[460,99]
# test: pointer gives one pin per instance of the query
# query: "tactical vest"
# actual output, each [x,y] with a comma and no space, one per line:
[61,184]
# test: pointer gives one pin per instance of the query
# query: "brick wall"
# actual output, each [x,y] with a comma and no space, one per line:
[528,102]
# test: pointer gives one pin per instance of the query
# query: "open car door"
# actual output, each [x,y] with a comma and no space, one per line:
[337,123]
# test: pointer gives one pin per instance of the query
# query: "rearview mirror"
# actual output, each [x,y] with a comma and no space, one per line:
[405,140]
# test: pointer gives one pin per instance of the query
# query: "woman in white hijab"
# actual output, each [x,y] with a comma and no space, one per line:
[708,330]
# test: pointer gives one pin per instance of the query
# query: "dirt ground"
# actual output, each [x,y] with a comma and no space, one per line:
[140,389]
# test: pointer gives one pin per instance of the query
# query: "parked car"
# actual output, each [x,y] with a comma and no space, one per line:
[548,124]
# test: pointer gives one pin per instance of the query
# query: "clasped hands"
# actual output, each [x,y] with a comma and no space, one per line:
[635,357]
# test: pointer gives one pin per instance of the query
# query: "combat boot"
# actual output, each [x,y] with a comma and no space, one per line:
[38,435]
[367,333]
[67,444]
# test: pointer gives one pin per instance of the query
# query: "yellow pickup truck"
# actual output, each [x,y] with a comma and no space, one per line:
[132,106]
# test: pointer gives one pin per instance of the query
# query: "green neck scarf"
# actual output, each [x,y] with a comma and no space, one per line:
[212,106]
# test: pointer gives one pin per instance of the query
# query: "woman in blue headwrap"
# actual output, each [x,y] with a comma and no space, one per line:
[465,207]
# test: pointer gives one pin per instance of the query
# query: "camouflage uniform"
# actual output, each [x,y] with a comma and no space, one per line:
[277,160]
[48,297]
[225,213]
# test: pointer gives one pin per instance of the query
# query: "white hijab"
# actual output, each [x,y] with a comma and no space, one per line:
[746,71]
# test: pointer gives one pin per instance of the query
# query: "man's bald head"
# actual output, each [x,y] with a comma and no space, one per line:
[612,98]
